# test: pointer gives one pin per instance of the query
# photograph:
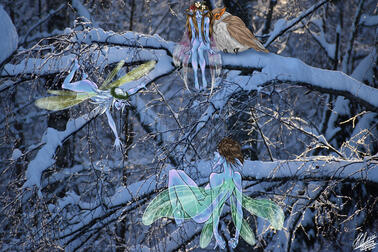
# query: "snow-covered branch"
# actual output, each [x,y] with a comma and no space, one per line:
[282,25]
[9,41]
[348,54]
[42,20]
[367,20]
[51,140]
[94,216]
[279,69]
[139,47]
[320,37]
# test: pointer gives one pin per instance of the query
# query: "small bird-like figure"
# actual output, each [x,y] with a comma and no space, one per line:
[231,34]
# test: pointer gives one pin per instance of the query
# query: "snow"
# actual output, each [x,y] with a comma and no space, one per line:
[16,154]
[39,66]
[313,168]
[276,68]
[321,39]
[279,26]
[82,11]
[364,70]
[45,156]
[369,20]
[9,41]
[132,39]
[282,25]
[258,170]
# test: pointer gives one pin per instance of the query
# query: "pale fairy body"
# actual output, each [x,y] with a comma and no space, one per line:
[229,181]
[200,45]
[107,96]
[184,200]
[197,46]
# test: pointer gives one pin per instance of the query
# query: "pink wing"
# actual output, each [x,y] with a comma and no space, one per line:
[181,55]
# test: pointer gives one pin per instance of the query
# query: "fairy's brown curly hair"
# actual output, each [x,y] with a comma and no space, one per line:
[230,150]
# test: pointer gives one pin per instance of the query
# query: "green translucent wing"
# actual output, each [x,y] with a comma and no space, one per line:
[112,74]
[245,231]
[190,200]
[135,74]
[61,102]
[158,208]
[265,209]
[185,202]
[62,92]
[247,234]
[207,233]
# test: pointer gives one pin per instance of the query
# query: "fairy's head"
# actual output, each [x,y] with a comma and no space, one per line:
[198,11]
[230,150]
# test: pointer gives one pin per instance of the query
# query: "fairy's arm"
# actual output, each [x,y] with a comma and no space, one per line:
[72,73]
[218,162]
[193,29]
[207,35]
[207,30]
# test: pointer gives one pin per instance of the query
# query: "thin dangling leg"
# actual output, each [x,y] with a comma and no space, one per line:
[202,62]
[195,66]
[178,180]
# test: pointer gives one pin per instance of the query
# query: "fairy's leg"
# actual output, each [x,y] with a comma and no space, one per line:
[202,61]
[178,178]
[72,73]
[117,142]
[195,68]
[236,211]
[219,199]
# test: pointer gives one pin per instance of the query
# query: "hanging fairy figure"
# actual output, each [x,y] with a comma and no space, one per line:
[184,200]
[197,44]
[107,96]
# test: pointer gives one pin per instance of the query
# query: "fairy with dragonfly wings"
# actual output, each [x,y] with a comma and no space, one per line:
[184,200]
[107,96]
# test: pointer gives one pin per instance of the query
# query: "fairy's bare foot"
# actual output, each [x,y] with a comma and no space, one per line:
[220,242]
[233,243]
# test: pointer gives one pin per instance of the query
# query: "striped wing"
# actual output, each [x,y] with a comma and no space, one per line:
[112,74]
[266,209]
[135,74]
[63,100]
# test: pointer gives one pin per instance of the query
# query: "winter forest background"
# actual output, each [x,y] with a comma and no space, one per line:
[306,115]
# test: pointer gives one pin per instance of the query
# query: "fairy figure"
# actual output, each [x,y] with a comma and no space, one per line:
[198,45]
[107,96]
[184,200]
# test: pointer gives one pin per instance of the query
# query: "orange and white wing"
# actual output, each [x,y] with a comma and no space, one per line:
[242,34]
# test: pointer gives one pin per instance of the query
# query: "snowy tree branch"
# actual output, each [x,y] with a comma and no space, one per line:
[95,216]
[282,26]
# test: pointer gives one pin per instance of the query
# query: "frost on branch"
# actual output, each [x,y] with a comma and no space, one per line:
[65,187]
